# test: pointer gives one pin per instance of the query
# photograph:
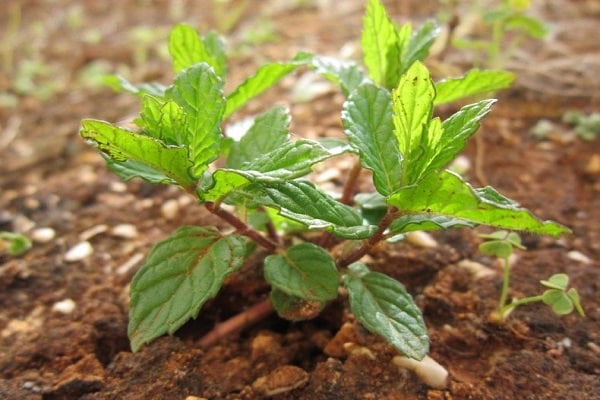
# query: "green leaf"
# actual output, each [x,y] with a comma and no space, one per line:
[412,107]
[163,120]
[496,248]
[475,82]
[574,296]
[380,44]
[557,281]
[181,273]
[427,222]
[295,308]
[384,307]
[120,84]
[291,160]
[265,77]
[418,46]
[448,195]
[188,49]
[559,301]
[268,132]
[533,27]
[129,169]
[346,74]
[367,118]
[305,270]
[298,200]
[122,145]
[199,92]
[443,147]
[303,202]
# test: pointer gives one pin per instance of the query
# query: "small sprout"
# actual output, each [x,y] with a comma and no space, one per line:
[15,244]
[501,244]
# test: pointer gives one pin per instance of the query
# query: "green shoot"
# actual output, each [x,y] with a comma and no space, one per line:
[501,244]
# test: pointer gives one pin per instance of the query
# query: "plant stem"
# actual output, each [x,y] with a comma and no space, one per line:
[368,244]
[237,323]
[505,286]
[241,227]
[350,185]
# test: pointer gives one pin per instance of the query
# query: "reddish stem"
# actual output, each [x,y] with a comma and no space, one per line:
[241,227]
[350,186]
[237,323]
[370,242]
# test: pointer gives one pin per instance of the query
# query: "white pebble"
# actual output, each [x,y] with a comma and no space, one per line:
[93,231]
[78,252]
[478,270]
[65,306]
[169,209]
[129,264]
[579,256]
[125,231]
[43,235]
[421,239]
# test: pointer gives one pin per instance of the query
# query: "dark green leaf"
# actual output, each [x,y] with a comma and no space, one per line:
[199,92]
[182,272]
[305,270]
[427,222]
[384,307]
[448,195]
[475,82]
[291,160]
[268,132]
[367,118]
[122,145]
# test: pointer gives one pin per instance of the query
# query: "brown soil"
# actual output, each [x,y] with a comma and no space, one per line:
[51,179]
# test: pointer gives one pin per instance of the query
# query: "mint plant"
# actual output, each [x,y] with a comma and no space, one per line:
[264,180]
[501,244]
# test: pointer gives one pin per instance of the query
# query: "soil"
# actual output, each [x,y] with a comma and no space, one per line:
[63,317]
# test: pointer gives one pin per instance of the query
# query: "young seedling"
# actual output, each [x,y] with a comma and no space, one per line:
[506,23]
[501,244]
[14,243]
[263,179]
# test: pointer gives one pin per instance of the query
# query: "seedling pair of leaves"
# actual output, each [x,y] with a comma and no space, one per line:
[563,301]
[389,126]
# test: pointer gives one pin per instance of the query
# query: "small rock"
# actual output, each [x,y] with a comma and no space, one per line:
[169,209]
[93,231]
[579,256]
[43,235]
[125,231]
[78,252]
[593,165]
[282,380]
[124,268]
[65,306]
[476,269]
[421,239]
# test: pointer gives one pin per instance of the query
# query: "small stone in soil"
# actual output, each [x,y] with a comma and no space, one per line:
[78,252]
[65,306]
[125,231]
[169,209]
[43,235]
[282,380]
